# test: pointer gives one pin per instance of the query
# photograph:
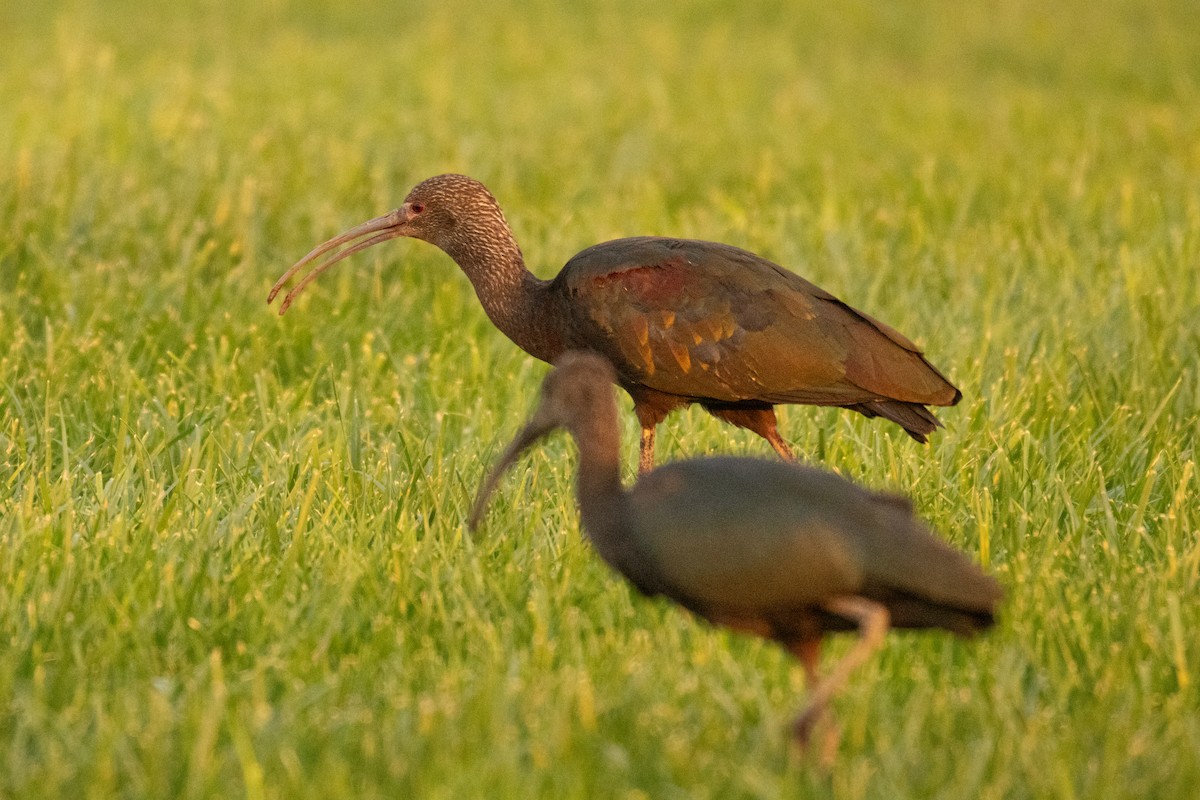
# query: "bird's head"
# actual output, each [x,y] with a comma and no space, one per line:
[579,388]
[446,210]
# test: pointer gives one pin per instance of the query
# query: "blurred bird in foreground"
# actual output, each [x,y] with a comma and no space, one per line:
[774,549]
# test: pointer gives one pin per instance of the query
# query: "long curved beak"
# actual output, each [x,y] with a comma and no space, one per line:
[390,226]
[540,425]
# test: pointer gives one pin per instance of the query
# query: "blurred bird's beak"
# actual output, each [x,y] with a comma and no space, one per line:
[380,229]
[540,425]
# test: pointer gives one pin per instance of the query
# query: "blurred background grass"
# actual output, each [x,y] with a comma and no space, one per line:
[232,553]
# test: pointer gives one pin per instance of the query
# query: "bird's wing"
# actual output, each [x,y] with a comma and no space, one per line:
[900,553]
[705,320]
[738,534]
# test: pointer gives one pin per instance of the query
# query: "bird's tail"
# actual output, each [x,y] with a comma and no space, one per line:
[909,611]
[917,420]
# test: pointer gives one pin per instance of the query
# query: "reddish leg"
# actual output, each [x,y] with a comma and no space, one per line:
[646,452]
[757,420]
[651,408]
[808,653]
[873,620]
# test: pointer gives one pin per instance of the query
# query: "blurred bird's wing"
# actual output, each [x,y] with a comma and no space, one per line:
[767,535]
[902,554]
[738,533]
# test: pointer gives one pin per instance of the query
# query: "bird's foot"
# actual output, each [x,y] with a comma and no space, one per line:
[817,734]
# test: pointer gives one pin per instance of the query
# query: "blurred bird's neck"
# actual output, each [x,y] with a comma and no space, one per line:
[601,496]
[515,300]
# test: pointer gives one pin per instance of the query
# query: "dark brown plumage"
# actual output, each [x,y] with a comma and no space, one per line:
[683,321]
[778,550]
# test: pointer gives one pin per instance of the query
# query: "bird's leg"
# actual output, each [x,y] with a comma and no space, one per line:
[781,447]
[808,652]
[651,408]
[873,621]
[646,454]
[758,420]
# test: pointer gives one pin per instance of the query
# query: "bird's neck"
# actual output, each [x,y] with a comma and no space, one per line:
[515,300]
[602,499]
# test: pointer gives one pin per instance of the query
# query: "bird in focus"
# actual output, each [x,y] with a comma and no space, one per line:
[782,551]
[683,321]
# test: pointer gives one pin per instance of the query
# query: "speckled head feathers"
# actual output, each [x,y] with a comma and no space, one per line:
[453,212]
[450,189]
[459,215]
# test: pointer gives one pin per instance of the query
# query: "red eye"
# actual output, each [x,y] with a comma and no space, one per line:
[416,208]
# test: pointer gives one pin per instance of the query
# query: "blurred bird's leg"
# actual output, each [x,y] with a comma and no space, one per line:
[646,454]
[873,621]
[808,653]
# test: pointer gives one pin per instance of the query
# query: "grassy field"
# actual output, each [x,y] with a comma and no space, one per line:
[232,554]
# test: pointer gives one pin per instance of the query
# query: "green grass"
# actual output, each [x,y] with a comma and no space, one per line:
[232,556]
